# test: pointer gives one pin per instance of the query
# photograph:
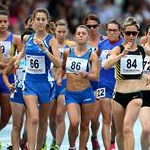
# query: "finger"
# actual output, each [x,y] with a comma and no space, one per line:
[77,73]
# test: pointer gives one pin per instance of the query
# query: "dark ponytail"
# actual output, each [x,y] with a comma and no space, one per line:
[4,10]
[50,28]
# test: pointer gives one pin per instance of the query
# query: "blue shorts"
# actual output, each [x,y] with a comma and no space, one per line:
[17,97]
[94,85]
[41,89]
[59,90]
[81,97]
[3,87]
[105,91]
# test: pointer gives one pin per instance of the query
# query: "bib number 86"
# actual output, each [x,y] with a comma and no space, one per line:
[76,65]
[34,63]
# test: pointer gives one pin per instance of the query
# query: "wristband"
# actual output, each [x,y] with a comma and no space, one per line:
[46,50]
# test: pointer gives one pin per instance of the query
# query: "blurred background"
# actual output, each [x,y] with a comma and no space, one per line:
[74,11]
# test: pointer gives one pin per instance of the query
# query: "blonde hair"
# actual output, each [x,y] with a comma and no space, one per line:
[131,21]
[82,26]
[62,22]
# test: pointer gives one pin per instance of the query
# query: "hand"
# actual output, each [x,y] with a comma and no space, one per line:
[83,74]
[16,63]
[41,44]
[127,48]
[59,81]
[11,87]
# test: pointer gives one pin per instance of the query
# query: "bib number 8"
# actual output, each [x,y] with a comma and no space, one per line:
[2,48]
[75,65]
[34,63]
[131,64]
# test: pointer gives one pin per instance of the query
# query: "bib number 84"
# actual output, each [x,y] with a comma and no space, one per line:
[131,64]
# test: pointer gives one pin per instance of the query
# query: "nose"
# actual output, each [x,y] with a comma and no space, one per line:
[81,35]
[41,21]
[111,32]
[61,33]
[131,35]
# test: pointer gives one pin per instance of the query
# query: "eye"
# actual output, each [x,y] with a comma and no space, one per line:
[38,19]
[43,19]
[84,33]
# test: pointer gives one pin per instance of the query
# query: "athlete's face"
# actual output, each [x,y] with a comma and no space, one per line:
[113,32]
[61,32]
[4,23]
[82,35]
[130,34]
[93,27]
[40,21]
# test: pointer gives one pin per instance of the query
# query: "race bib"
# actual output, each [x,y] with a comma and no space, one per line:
[61,50]
[20,74]
[104,56]
[131,64]
[101,93]
[146,64]
[76,65]
[35,64]
[5,47]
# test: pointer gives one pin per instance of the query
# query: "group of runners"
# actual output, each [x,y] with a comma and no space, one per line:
[43,75]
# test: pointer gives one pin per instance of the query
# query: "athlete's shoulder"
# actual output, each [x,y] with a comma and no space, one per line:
[143,40]
[103,37]
[103,42]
